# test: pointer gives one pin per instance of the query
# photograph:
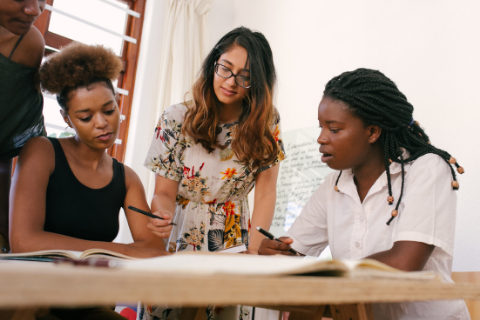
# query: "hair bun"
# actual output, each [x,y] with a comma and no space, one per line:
[77,65]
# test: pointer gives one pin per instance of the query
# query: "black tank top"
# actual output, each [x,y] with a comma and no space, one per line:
[75,210]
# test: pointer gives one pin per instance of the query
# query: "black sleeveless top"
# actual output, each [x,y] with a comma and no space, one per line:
[75,210]
[21,105]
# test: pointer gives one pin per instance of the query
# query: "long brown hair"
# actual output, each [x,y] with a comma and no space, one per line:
[254,142]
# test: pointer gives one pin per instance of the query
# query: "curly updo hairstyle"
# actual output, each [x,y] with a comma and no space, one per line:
[377,101]
[79,66]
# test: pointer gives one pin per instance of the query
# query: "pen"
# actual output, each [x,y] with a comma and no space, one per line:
[272,237]
[148,214]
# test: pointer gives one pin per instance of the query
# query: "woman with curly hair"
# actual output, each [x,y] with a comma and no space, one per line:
[67,193]
[21,103]
[210,152]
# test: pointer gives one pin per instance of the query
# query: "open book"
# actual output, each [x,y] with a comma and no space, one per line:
[198,263]
[51,255]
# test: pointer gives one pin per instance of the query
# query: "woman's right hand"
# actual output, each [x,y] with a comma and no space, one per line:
[159,227]
[272,247]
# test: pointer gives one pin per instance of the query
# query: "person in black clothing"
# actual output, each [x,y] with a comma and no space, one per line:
[67,193]
[21,102]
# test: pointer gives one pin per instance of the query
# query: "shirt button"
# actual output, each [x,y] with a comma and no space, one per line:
[360,218]
[357,244]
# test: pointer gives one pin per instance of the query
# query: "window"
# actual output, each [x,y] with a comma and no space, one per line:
[116,24]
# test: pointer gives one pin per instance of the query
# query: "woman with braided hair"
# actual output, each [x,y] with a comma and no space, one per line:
[393,198]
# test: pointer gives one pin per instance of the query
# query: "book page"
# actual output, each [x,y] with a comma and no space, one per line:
[203,263]
[369,264]
[104,254]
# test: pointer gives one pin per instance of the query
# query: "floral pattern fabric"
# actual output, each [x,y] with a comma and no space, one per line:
[211,205]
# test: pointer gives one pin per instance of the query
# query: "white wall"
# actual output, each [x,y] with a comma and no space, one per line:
[430,48]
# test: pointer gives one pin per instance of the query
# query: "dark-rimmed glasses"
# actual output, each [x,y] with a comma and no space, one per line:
[224,72]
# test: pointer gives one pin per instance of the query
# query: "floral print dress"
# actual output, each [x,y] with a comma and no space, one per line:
[211,207]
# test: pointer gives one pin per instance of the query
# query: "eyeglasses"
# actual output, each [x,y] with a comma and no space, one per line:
[224,72]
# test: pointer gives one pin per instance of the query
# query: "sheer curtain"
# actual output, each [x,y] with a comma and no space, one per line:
[174,44]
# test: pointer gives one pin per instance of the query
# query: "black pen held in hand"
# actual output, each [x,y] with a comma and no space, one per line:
[272,237]
[148,214]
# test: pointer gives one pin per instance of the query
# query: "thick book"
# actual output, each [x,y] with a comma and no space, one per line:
[198,263]
[52,255]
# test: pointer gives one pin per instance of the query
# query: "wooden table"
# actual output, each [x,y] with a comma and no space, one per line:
[32,285]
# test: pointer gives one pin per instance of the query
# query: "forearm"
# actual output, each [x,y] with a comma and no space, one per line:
[162,202]
[262,216]
[405,255]
[151,242]
[389,258]
[42,240]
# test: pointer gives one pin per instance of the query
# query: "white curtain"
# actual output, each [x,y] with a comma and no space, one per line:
[174,44]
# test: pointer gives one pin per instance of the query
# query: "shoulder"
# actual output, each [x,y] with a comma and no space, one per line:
[176,112]
[173,117]
[131,177]
[41,145]
[38,150]
[129,173]
[430,164]
[429,175]
[31,48]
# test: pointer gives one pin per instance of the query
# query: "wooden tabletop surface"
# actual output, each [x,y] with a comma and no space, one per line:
[45,284]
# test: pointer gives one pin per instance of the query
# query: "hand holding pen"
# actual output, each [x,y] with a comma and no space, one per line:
[274,245]
[159,225]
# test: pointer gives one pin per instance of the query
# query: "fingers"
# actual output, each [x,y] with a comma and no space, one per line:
[272,247]
[161,228]
[162,232]
[165,215]
[286,240]
[160,222]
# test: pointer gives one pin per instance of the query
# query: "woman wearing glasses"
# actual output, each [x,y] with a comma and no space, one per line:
[210,152]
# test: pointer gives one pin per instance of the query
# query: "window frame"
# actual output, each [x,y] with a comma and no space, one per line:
[130,55]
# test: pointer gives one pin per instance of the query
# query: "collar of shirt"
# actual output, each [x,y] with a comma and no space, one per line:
[346,184]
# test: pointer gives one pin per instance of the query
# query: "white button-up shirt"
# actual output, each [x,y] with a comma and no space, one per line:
[355,229]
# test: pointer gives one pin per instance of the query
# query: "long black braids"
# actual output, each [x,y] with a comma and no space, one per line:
[377,100]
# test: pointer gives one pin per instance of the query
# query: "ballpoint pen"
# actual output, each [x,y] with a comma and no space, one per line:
[272,237]
[148,214]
